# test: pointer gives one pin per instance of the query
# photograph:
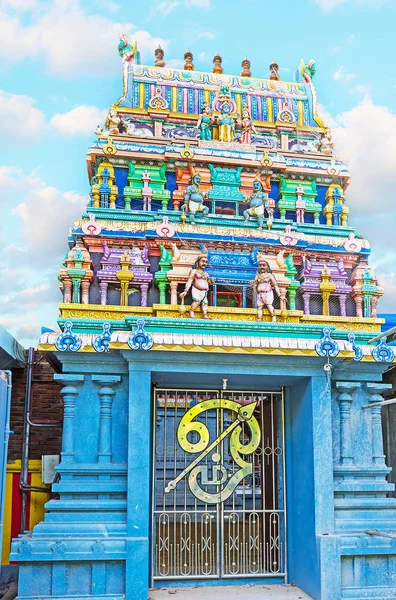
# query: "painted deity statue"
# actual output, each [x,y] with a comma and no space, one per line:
[326,144]
[199,282]
[194,199]
[226,124]
[247,127]
[204,123]
[112,121]
[258,203]
[127,52]
[265,283]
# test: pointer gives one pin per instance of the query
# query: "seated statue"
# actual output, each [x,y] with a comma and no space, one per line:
[112,121]
[258,202]
[194,198]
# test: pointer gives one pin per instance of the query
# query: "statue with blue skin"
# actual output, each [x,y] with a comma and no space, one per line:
[226,124]
[194,199]
[257,204]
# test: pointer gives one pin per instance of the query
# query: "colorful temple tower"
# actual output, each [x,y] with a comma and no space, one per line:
[221,417]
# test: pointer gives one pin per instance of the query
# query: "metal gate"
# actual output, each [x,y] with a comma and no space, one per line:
[218,485]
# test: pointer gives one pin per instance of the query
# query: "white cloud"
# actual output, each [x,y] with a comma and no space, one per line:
[206,35]
[175,63]
[202,56]
[80,120]
[46,213]
[164,8]
[365,138]
[328,5]
[198,3]
[18,5]
[341,74]
[70,41]
[109,5]
[19,116]
[39,219]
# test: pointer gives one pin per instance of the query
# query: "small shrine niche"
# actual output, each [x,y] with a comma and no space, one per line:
[127,269]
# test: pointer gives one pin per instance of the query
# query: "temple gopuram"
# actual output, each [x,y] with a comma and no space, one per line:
[220,386]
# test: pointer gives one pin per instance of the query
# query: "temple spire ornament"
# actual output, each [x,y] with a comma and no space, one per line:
[274,71]
[159,57]
[188,61]
[217,64]
[246,72]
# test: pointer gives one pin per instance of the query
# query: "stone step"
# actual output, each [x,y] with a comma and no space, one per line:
[227,592]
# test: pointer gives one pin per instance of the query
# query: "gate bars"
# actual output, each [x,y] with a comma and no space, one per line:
[218,484]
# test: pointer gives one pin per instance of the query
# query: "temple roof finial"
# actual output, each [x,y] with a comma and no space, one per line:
[217,64]
[188,60]
[274,68]
[246,72]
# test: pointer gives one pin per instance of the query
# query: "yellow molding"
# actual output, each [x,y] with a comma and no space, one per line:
[94,312]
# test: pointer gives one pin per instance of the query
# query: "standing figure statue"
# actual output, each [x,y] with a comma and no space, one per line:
[199,282]
[226,124]
[194,199]
[264,283]
[247,127]
[258,202]
[204,123]
[127,52]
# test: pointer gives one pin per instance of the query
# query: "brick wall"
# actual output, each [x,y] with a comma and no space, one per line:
[46,405]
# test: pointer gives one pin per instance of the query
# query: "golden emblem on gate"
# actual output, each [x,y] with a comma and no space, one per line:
[198,474]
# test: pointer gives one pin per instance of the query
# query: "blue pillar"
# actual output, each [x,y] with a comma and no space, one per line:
[69,393]
[106,395]
[345,399]
[139,484]
[374,395]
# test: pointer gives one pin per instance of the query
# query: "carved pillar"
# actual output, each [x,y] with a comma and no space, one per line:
[69,393]
[76,289]
[343,305]
[374,395]
[67,291]
[103,285]
[144,292]
[345,399]
[359,305]
[374,300]
[284,141]
[106,395]
[162,290]
[173,289]
[85,292]
[306,297]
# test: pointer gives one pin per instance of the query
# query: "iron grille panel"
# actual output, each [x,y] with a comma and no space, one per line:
[218,509]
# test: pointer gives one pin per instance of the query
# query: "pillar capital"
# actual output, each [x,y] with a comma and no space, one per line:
[69,380]
[345,390]
[374,390]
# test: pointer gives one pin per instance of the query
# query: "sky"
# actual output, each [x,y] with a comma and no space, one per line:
[60,71]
